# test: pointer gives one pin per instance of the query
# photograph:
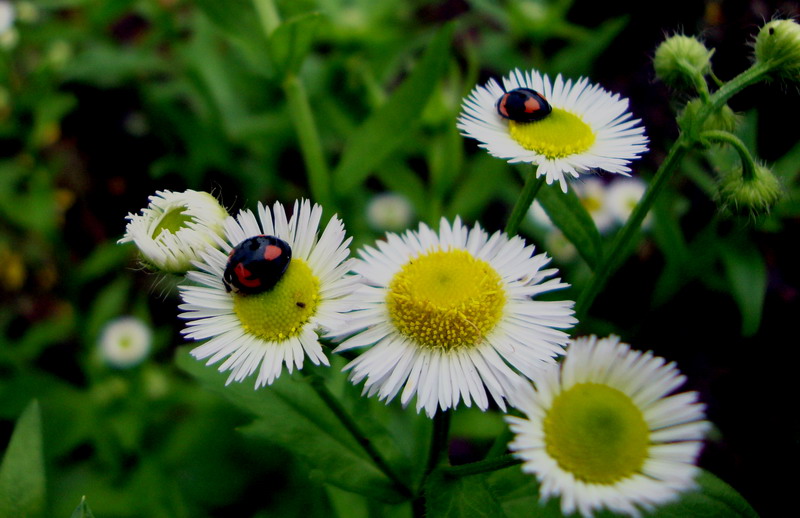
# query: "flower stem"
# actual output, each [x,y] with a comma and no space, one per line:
[618,250]
[302,116]
[267,15]
[310,143]
[439,441]
[482,466]
[524,201]
[748,165]
[318,383]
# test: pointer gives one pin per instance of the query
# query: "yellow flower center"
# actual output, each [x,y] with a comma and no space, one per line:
[281,312]
[172,221]
[446,299]
[558,135]
[597,433]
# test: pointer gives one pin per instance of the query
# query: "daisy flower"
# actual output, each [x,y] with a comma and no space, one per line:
[623,196]
[450,316]
[593,193]
[267,330]
[174,228]
[125,342]
[588,127]
[603,431]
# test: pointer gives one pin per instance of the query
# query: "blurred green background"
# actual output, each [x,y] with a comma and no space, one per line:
[104,102]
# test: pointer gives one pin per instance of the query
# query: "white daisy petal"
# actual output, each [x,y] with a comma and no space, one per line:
[442,313]
[591,439]
[275,328]
[588,128]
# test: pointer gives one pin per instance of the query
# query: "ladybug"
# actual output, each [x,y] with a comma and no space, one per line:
[256,265]
[523,105]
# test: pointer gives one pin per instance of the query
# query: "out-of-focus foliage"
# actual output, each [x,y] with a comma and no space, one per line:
[104,101]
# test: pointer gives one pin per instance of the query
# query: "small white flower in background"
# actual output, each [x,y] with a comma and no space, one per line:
[588,128]
[265,331]
[174,228]
[593,194]
[389,212]
[7,15]
[622,196]
[125,342]
[539,216]
[451,315]
[605,429]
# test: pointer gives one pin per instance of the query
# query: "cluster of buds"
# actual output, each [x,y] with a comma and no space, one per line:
[684,62]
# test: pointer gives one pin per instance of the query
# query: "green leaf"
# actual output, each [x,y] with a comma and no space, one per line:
[747,276]
[82,511]
[239,21]
[291,41]
[712,499]
[579,58]
[385,130]
[569,215]
[460,497]
[22,479]
[482,183]
[294,416]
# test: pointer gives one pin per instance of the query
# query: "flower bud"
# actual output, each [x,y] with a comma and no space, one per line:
[778,44]
[723,119]
[174,228]
[680,59]
[754,196]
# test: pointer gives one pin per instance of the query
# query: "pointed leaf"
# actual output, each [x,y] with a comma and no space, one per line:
[239,21]
[569,215]
[747,277]
[460,497]
[383,132]
[291,41]
[293,415]
[22,479]
[82,511]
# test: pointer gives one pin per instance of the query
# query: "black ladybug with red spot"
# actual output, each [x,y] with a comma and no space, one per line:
[523,105]
[256,265]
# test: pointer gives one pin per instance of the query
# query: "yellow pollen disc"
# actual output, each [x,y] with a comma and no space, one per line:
[596,433]
[446,299]
[281,312]
[558,135]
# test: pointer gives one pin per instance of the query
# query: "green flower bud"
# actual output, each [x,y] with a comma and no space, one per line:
[778,44]
[753,196]
[680,60]
[723,119]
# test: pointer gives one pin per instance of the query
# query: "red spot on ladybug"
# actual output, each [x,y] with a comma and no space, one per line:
[272,252]
[523,105]
[256,265]
[244,276]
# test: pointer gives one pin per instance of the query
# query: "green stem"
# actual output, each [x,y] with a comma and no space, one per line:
[524,201]
[482,466]
[267,15]
[437,455]
[302,116]
[310,144]
[752,75]
[617,253]
[318,383]
[748,164]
